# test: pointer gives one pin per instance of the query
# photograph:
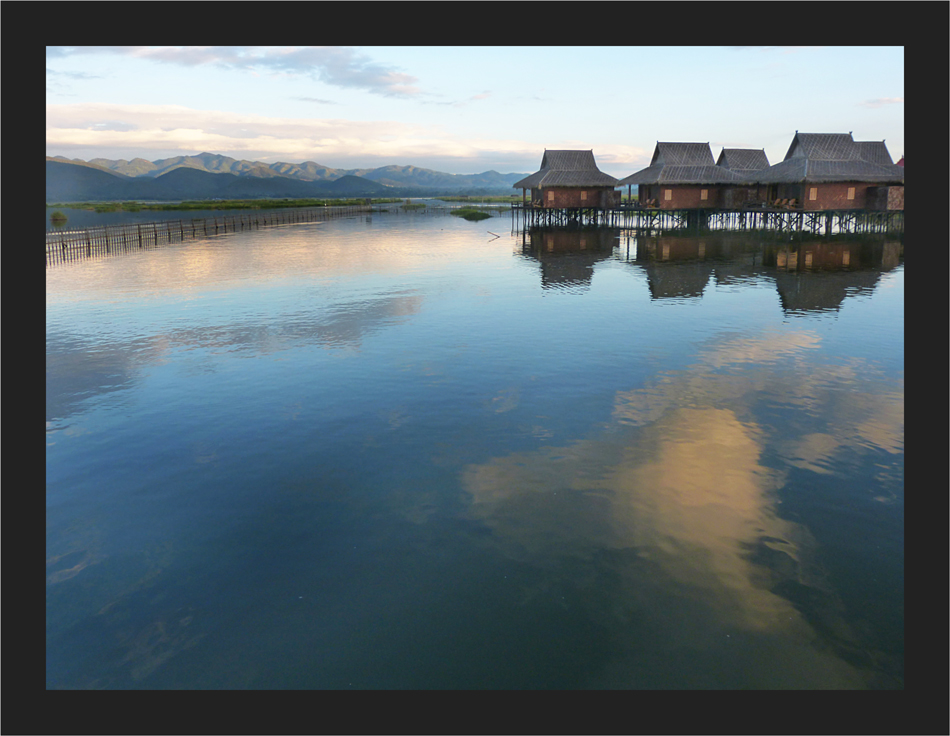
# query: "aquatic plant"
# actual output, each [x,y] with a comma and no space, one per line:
[470,213]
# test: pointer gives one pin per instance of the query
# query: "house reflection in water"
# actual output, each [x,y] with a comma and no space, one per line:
[809,275]
[692,256]
[819,275]
[568,256]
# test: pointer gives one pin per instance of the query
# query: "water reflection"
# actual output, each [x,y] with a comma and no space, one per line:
[809,275]
[676,499]
[568,256]
[297,458]
[78,369]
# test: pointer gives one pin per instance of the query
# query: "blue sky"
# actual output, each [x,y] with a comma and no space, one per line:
[462,110]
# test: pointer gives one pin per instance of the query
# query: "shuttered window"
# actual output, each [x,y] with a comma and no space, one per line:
[550,196]
[583,195]
[667,194]
[850,192]
[813,194]
[704,194]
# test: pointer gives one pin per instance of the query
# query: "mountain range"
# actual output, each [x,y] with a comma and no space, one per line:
[209,175]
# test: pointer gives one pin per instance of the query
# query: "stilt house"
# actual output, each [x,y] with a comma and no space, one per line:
[569,179]
[832,171]
[746,163]
[682,176]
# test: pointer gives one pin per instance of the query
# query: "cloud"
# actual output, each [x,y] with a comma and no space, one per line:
[71,75]
[316,100]
[337,66]
[99,129]
[112,125]
[882,101]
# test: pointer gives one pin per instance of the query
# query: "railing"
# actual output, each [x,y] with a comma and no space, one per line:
[68,245]
[774,217]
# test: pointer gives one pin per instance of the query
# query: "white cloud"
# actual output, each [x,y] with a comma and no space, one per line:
[146,128]
[337,66]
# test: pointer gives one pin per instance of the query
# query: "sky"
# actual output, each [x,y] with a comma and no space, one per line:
[462,110]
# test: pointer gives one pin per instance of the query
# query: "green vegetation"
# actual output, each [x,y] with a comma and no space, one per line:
[508,200]
[219,204]
[57,218]
[407,205]
[471,213]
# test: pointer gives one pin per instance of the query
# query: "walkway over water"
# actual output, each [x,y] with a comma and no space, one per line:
[774,219]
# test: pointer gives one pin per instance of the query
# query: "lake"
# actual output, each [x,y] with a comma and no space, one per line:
[399,452]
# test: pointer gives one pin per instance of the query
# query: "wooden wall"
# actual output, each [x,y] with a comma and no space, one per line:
[682,196]
[574,196]
[886,198]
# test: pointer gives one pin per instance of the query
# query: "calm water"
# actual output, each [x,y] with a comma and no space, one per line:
[399,452]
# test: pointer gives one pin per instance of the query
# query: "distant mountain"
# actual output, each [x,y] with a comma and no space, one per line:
[76,182]
[401,177]
[350,185]
[73,182]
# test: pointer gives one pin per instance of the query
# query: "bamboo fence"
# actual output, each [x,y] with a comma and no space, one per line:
[70,245]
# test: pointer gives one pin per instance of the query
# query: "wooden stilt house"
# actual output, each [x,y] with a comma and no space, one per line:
[682,176]
[746,163]
[832,171]
[569,179]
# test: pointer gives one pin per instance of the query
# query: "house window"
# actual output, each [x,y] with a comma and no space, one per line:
[550,196]
[704,194]
[850,192]
[813,194]
[667,194]
[583,195]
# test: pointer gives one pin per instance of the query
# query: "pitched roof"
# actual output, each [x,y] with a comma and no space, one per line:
[682,154]
[743,160]
[682,163]
[822,146]
[827,157]
[875,152]
[901,162]
[567,169]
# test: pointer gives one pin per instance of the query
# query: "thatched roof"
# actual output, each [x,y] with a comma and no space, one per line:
[682,154]
[743,160]
[875,152]
[682,163]
[830,157]
[567,169]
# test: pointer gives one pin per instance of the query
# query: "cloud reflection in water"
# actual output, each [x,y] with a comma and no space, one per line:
[675,498]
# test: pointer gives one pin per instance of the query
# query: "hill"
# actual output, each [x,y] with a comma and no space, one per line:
[75,182]
[71,182]
[413,179]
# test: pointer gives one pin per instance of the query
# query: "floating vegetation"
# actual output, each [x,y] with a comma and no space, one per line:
[58,218]
[471,213]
